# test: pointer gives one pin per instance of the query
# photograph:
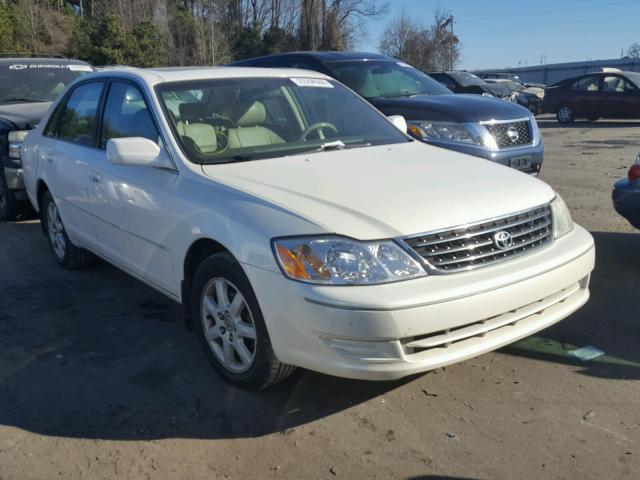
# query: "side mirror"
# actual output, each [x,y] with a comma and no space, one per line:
[132,151]
[399,122]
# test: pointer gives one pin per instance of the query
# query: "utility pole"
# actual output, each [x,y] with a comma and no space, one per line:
[451,43]
[449,22]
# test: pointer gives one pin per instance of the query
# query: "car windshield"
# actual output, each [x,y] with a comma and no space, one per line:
[242,119]
[385,79]
[466,79]
[36,82]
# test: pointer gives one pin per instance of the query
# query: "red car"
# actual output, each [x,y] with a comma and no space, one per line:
[610,94]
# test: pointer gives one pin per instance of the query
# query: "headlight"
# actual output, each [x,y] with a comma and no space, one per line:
[445,131]
[535,131]
[15,139]
[341,261]
[562,222]
[485,94]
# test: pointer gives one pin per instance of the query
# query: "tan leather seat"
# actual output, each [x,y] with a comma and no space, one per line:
[249,131]
[202,135]
[193,130]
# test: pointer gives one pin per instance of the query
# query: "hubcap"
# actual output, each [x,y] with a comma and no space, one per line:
[56,231]
[565,114]
[228,325]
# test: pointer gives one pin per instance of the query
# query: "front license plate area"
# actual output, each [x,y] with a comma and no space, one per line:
[520,163]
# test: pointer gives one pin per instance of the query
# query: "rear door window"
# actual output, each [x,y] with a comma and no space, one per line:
[78,119]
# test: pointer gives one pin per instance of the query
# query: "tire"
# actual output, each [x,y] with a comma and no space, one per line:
[565,114]
[226,323]
[593,119]
[8,202]
[66,253]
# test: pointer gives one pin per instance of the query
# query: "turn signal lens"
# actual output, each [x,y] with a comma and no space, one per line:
[634,172]
[290,263]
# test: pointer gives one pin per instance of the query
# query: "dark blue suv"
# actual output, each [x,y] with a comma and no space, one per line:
[486,127]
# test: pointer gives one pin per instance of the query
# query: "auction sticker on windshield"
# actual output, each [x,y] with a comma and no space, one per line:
[312,82]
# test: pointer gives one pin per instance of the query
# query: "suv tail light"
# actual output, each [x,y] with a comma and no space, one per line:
[634,171]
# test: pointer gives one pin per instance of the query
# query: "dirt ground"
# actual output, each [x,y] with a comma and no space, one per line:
[99,379]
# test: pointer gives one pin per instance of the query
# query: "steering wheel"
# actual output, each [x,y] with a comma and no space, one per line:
[319,127]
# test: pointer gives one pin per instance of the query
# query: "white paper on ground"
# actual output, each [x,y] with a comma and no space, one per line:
[586,353]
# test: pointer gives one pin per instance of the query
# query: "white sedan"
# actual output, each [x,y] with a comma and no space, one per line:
[297,225]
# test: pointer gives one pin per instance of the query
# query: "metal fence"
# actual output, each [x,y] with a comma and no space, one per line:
[553,73]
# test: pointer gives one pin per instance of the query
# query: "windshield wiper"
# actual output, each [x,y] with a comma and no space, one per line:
[22,99]
[395,95]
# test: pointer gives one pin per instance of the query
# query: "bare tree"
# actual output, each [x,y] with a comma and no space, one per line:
[335,24]
[634,50]
[425,47]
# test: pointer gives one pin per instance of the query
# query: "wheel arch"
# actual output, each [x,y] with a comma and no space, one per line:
[197,252]
[41,189]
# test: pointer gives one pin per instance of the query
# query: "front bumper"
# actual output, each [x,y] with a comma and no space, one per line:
[504,157]
[386,332]
[626,200]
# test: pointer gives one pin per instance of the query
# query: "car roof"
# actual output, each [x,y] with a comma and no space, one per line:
[38,60]
[324,56]
[155,76]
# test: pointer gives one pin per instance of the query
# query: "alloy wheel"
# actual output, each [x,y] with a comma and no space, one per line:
[56,231]
[228,325]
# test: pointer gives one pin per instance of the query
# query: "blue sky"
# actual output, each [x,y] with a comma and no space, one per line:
[501,33]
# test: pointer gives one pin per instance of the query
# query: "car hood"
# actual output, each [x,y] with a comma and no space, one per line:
[24,115]
[451,107]
[496,89]
[386,191]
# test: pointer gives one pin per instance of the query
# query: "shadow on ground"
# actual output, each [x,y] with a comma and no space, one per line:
[96,354]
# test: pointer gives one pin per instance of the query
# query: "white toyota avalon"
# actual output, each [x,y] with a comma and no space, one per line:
[297,225]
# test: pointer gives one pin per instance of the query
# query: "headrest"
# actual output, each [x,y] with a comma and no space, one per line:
[256,114]
[192,111]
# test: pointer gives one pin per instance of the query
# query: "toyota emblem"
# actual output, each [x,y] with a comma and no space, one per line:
[513,134]
[502,240]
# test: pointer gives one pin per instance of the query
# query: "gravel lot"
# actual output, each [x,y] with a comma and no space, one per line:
[99,379]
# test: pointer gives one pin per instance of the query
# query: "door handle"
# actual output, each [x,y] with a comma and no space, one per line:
[94,178]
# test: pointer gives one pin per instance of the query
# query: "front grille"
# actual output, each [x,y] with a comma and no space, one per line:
[511,133]
[485,243]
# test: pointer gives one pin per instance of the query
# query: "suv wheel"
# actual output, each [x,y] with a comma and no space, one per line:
[8,202]
[565,113]
[66,253]
[231,327]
